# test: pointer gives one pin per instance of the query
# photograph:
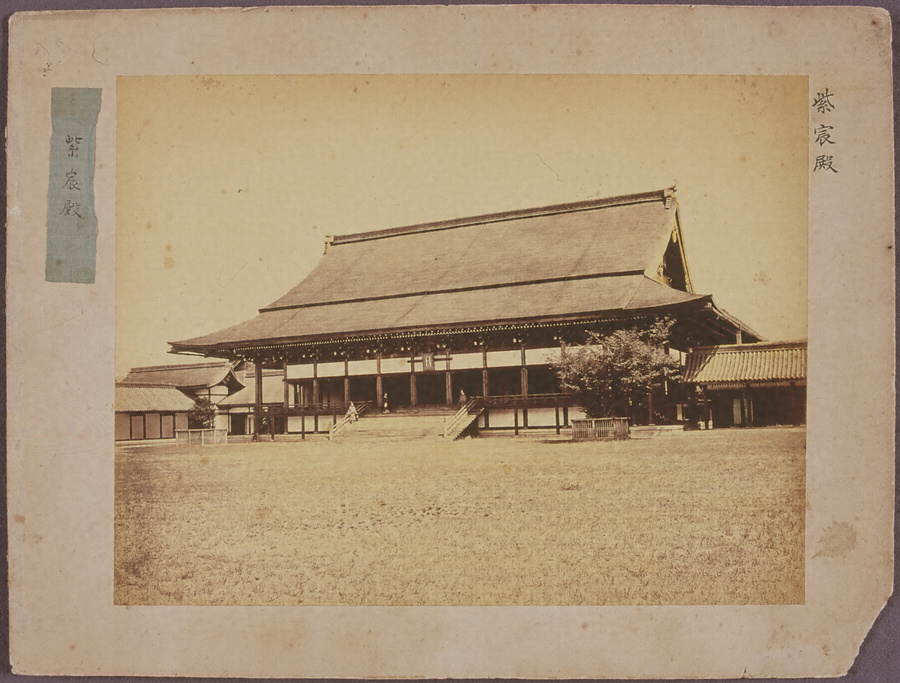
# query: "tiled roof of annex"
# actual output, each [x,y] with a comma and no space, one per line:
[747,363]
[150,398]
[186,376]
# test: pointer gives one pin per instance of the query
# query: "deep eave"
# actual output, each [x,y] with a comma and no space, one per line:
[701,305]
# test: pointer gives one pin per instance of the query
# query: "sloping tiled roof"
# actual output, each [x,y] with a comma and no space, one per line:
[545,301]
[562,242]
[549,264]
[187,376]
[747,363]
[148,398]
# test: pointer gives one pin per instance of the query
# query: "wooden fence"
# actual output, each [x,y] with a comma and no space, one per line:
[600,428]
[201,437]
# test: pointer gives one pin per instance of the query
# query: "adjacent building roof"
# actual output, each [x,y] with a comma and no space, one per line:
[150,398]
[600,258]
[273,390]
[191,376]
[747,363]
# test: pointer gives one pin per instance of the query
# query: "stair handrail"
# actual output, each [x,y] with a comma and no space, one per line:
[338,426]
[460,415]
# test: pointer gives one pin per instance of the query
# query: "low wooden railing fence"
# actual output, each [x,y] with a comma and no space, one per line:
[202,437]
[601,428]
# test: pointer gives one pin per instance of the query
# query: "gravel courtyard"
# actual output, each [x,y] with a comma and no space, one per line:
[697,518]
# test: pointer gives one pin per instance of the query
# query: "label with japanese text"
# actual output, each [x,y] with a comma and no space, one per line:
[71,221]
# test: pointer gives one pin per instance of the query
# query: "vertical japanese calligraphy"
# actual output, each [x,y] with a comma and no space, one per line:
[822,133]
[71,221]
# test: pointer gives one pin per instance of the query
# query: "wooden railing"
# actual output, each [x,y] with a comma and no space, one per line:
[337,427]
[462,419]
[202,437]
[281,410]
[601,428]
[526,401]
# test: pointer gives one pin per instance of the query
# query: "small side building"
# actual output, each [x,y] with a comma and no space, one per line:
[149,411]
[211,380]
[747,385]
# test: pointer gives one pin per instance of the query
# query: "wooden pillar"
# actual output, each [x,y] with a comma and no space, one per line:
[748,398]
[287,388]
[794,420]
[448,384]
[484,372]
[346,380]
[516,420]
[556,417]
[413,387]
[379,385]
[257,399]
[745,409]
[707,408]
[315,389]
[524,372]
[650,407]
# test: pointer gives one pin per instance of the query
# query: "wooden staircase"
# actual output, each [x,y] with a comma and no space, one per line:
[463,419]
[409,424]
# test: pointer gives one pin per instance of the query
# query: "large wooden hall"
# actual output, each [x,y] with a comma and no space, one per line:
[473,307]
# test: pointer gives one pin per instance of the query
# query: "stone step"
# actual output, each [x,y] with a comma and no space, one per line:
[394,427]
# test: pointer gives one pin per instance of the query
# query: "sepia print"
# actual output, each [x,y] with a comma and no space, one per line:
[477,211]
[399,427]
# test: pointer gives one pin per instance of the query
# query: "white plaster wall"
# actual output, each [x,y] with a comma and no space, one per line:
[334,369]
[302,371]
[543,417]
[466,361]
[394,365]
[501,359]
[541,356]
[363,367]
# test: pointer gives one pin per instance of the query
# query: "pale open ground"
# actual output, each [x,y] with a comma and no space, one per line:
[699,518]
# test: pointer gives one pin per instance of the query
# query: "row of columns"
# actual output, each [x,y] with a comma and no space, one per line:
[379,386]
[379,383]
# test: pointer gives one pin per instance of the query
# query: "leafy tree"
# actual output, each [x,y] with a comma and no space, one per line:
[202,415]
[609,372]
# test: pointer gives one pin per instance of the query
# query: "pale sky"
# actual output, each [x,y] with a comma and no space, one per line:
[227,186]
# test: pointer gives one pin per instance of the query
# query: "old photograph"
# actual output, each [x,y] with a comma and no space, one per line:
[460,340]
[534,342]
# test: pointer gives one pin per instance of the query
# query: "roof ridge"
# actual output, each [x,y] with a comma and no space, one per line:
[147,385]
[179,366]
[665,195]
[793,343]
